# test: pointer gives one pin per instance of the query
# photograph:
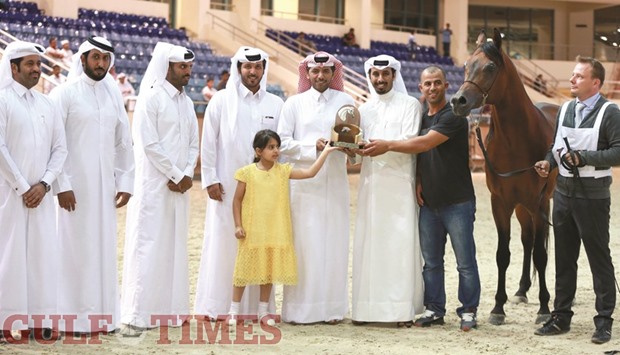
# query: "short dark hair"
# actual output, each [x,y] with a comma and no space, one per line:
[17,61]
[262,138]
[433,69]
[598,70]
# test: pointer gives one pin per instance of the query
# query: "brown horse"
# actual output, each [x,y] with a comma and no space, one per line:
[520,134]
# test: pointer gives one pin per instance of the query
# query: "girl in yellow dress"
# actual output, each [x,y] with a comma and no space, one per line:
[262,214]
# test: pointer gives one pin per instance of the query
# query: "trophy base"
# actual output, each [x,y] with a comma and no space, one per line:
[346,145]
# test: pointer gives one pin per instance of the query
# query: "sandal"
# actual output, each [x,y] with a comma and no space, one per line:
[358,322]
[407,324]
[333,321]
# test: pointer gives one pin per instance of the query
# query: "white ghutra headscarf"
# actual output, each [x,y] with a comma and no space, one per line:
[163,54]
[14,50]
[244,55]
[381,62]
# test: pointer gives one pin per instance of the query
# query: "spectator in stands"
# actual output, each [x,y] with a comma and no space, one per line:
[305,45]
[446,35]
[540,84]
[66,52]
[53,80]
[319,206]
[52,50]
[349,39]
[223,80]
[125,87]
[231,121]
[112,72]
[411,43]
[208,91]
[165,137]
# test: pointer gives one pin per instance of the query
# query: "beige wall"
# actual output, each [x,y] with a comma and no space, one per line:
[69,8]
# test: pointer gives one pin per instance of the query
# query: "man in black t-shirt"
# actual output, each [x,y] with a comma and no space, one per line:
[445,192]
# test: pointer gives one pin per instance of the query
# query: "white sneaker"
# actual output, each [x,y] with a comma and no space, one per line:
[468,321]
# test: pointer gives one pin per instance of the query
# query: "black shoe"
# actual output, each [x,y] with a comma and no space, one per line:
[554,326]
[428,318]
[601,335]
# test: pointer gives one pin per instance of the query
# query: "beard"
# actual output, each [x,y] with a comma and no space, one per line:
[93,75]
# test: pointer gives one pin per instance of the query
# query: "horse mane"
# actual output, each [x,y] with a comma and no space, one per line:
[493,53]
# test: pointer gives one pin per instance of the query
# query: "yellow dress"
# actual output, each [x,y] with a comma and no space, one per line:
[266,254]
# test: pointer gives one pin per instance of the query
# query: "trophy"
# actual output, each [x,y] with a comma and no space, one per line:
[347,132]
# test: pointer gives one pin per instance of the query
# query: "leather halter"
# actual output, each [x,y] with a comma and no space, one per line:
[485,93]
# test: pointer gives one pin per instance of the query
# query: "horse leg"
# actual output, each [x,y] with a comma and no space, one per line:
[501,215]
[541,240]
[527,240]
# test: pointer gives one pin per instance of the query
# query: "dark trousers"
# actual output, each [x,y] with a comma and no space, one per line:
[446,49]
[576,220]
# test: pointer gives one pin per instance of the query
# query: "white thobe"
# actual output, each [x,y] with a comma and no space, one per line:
[319,210]
[100,163]
[52,82]
[224,150]
[155,268]
[67,58]
[127,90]
[32,149]
[387,260]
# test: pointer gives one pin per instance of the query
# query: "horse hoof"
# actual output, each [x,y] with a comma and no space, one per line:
[497,319]
[543,318]
[518,299]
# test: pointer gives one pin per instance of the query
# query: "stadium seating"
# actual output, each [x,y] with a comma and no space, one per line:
[412,63]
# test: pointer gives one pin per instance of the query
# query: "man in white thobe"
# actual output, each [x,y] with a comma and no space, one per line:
[319,206]
[387,262]
[233,117]
[126,89]
[32,151]
[96,179]
[165,134]
[53,80]
[67,53]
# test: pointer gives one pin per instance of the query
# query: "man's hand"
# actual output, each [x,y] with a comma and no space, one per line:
[185,184]
[33,197]
[66,200]
[216,192]
[122,198]
[542,168]
[320,144]
[375,147]
[173,187]
[418,194]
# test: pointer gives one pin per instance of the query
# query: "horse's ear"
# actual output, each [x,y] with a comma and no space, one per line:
[482,37]
[497,38]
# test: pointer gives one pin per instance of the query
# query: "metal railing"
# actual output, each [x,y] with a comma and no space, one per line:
[222,6]
[357,83]
[303,17]
[529,71]
[280,54]
[46,65]
[390,27]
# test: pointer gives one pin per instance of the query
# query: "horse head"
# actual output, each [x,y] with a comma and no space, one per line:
[481,72]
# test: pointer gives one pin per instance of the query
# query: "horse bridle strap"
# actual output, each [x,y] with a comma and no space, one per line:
[485,94]
[487,161]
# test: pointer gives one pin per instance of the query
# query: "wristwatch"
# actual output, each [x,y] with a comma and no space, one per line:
[46,186]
